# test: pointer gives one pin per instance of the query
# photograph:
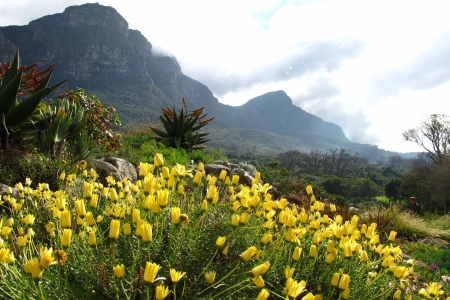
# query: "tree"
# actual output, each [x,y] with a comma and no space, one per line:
[433,136]
[289,159]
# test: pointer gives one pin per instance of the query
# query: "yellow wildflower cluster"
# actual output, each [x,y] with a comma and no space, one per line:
[137,230]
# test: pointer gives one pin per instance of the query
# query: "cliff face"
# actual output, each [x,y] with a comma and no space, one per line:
[93,48]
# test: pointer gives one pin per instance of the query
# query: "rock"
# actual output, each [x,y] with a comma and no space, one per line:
[215,169]
[244,177]
[117,167]
[3,188]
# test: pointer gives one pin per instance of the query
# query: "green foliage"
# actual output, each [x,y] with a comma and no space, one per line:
[392,189]
[17,163]
[14,117]
[101,122]
[64,122]
[181,128]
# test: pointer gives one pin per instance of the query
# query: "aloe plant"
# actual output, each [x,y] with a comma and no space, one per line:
[13,81]
[181,128]
[65,120]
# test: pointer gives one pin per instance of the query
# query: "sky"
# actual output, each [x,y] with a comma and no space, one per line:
[375,68]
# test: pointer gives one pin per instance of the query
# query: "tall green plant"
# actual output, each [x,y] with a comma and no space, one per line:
[182,128]
[64,121]
[15,81]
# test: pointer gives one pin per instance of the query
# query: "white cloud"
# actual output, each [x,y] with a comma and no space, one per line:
[241,49]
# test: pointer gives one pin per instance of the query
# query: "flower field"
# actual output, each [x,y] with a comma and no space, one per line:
[176,234]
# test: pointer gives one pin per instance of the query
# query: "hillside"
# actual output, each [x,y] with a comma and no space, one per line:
[94,48]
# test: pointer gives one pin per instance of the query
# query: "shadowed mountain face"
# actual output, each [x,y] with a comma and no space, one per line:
[93,48]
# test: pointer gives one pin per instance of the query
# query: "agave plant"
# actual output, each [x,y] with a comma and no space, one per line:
[65,120]
[14,80]
[181,128]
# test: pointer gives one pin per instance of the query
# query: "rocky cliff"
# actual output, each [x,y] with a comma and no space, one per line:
[93,48]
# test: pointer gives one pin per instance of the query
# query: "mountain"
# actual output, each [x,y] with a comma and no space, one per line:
[93,48]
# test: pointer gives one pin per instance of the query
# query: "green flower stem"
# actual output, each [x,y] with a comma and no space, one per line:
[147,291]
[174,291]
[124,290]
[205,268]
[232,287]
[221,279]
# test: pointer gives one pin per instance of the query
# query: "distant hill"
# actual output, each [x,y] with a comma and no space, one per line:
[93,48]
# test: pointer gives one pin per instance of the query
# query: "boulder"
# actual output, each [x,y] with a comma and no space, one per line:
[117,167]
[215,169]
[244,177]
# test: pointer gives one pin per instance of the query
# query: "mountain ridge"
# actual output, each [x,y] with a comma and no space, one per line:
[93,48]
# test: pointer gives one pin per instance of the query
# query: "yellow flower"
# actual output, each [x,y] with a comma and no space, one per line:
[158,160]
[296,288]
[225,251]
[119,270]
[335,279]
[243,219]
[261,269]
[151,270]
[65,239]
[343,283]
[162,197]
[147,232]
[313,251]
[235,180]
[329,258]
[258,281]
[66,220]
[46,257]
[235,220]
[290,235]
[81,209]
[267,237]
[126,228]
[346,293]
[392,236]
[21,241]
[94,201]
[220,241]
[248,254]
[6,231]
[297,253]
[175,213]
[114,229]
[263,295]
[6,256]
[397,294]
[309,296]
[332,207]
[32,267]
[28,220]
[92,239]
[165,172]
[432,290]
[198,178]
[161,292]
[288,272]
[363,255]
[176,275]
[88,188]
[210,276]
[204,206]
[309,190]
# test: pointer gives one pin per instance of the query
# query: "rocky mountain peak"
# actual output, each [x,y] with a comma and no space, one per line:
[91,14]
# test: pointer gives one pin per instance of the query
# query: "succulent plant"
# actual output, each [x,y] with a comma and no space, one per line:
[20,81]
[181,128]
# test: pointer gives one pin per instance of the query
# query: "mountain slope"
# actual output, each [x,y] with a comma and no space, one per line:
[93,48]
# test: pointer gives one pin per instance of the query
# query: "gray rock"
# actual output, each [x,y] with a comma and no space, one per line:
[215,169]
[244,177]
[117,167]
